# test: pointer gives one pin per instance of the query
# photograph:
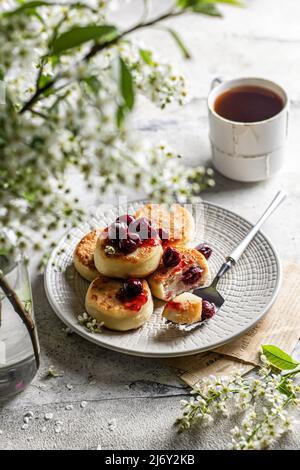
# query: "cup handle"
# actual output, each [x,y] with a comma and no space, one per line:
[215,82]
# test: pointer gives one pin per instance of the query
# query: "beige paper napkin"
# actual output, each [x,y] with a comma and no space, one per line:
[281,326]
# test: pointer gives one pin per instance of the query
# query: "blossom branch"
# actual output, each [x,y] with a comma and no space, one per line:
[268,401]
[96,48]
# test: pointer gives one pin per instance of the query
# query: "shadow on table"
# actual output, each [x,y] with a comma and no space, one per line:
[224,184]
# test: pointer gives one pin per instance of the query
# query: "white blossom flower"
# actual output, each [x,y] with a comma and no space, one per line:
[268,402]
[74,127]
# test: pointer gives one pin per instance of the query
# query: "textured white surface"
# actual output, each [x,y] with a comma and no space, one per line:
[143,394]
[249,288]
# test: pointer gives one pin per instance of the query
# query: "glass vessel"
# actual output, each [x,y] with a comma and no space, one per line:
[19,348]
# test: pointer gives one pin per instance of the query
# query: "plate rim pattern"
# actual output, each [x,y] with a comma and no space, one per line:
[96,338]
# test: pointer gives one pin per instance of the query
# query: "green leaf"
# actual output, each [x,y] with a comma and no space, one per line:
[120,116]
[193,3]
[93,83]
[79,35]
[54,60]
[3,142]
[28,7]
[44,80]
[146,55]
[126,84]
[180,43]
[207,9]
[279,358]
[183,3]
[228,2]
[30,197]
[283,388]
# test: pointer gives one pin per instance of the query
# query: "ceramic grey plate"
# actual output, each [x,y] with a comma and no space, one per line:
[250,288]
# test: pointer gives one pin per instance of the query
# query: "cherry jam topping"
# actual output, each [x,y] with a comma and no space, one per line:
[131,288]
[132,294]
[192,275]
[151,242]
[125,219]
[208,310]
[130,243]
[174,305]
[171,257]
[204,249]
[127,234]
[137,303]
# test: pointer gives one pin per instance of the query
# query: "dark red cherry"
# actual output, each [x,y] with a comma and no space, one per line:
[208,310]
[192,275]
[117,231]
[130,243]
[125,219]
[114,243]
[131,289]
[171,257]
[163,234]
[204,249]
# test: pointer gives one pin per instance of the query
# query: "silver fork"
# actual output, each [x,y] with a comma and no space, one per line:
[210,293]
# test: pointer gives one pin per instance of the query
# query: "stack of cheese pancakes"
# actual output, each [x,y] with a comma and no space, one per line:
[140,256]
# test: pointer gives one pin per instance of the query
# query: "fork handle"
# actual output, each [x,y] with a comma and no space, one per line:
[223,270]
[234,256]
[239,250]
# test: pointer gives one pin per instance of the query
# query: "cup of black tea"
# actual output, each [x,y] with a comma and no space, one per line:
[248,127]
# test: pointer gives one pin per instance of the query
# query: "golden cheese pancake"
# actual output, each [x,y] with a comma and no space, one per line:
[185,308]
[84,256]
[143,261]
[106,301]
[175,219]
[181,269]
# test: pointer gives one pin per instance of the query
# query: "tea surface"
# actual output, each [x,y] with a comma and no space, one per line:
[248,104]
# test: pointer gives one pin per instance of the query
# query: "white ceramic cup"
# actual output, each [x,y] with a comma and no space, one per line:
[251,151]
